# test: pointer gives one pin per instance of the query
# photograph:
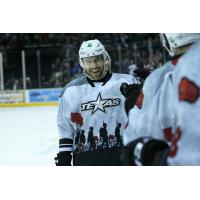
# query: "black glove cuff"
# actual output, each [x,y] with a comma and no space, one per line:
[63,158]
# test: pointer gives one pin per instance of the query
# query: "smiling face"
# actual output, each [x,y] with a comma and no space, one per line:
[94,67]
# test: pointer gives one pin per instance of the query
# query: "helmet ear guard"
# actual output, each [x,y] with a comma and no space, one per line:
[81,62]
[107,62]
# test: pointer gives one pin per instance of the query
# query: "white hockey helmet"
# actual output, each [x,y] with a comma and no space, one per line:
[92,48]
[172,41]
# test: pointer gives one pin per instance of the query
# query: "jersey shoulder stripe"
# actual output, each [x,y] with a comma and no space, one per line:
[82,80]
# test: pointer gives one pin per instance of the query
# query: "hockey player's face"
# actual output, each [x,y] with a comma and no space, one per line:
[94,66]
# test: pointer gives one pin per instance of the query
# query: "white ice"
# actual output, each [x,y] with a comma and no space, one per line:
[28,136]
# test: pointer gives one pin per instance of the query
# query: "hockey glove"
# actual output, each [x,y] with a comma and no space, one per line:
[148,152]
[63,158]
[131,93]
[142,73]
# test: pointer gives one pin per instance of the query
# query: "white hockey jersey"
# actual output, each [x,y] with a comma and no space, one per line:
[186,87]
[168,109]
[91,115]
[144,118]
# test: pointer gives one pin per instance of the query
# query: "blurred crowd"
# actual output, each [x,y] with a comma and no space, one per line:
[58,61]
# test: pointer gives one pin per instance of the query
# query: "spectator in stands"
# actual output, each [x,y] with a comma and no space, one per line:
[75,69]
[28,83]
[16,84]
[125,49]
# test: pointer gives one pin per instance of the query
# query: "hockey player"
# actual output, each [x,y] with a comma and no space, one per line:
[90,101]
[163,126]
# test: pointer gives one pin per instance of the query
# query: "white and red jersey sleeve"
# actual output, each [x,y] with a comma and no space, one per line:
[186,87]
[143,119]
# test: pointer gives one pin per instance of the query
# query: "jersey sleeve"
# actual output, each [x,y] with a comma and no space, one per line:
[144,114]
[65,129]
[185,148]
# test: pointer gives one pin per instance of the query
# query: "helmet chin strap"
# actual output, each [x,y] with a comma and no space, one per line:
[170,51]
[178,51]
[181,50]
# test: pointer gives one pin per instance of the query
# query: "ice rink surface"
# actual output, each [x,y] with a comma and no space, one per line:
[28,136]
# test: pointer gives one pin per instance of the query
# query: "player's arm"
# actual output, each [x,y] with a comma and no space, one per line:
[146,151]
[66,133]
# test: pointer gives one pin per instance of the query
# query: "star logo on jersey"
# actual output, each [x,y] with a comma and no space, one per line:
[100,104]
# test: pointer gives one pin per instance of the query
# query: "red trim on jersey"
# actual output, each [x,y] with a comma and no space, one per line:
[188,90]
[174,146]
[175,60]
[173,139]
[126,124]
[168,133]
[140,100]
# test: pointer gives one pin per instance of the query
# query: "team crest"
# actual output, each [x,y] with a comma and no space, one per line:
[100,104]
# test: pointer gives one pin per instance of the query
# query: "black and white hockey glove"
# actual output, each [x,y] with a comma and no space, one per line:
[147,152]
[63,158]
[131,93]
